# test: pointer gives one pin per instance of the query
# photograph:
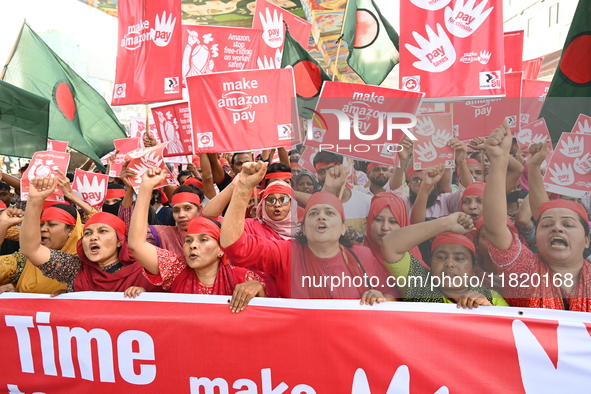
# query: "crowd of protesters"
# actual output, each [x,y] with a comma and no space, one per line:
[484,233]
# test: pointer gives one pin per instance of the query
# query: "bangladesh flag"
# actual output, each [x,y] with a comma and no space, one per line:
[570,91]
[24,121]
[308,74]
[373,43]
[78,113]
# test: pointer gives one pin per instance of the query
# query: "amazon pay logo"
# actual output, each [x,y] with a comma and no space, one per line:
[490,80]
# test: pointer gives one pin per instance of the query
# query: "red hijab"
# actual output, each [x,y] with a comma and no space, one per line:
[400,213]
[91,277]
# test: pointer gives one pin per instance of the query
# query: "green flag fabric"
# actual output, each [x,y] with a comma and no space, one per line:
[308,74]
[570,91]
[24,121]
[78,113]
[373,43]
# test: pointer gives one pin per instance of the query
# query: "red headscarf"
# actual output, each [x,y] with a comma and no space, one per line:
[114,193]
[91,277]
[371,166]
[400,213]
[179,198]
[320,165]
[409,171]
[573,206]
[325,198]
[474,189]
[451,238]
[471,161]
[294,164]
[194,181]
[278,175]
[59,215]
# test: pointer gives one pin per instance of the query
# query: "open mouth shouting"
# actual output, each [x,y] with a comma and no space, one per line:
[94,248]
[558,243]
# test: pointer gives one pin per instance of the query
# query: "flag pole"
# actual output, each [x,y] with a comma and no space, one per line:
[13,50]
[336,60]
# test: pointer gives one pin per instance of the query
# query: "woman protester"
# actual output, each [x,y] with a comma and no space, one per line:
[306,183]
[202,268]
[311,265]
[451,277]
[103,262]
[558,277]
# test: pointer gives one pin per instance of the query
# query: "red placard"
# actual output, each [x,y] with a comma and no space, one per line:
[533,133]
[243,110]
[149,52]
[208,49]
[568,169]
[582,125]
[124,146]
[533,94]
[433,131]
[531,68]
[44,164]
[307,158]
[372,104]
[174,126]
[57,146]
[140,160]
[452,49]
[478,118]
[137,128]
[102,342]
[513,50]
[91,187]
[271,19]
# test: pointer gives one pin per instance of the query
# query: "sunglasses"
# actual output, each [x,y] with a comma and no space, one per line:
[283,201]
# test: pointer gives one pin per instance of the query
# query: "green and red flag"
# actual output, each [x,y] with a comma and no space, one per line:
[308,74]
[570,91]
[373,42]
[78,113]
[24,121]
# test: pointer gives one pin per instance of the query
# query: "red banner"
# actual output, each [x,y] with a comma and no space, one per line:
[271,19]
[91,187]
[194,344]
[140,160]
[478,118]
[513,50]
[452,52]
[44,164]
[208,49]
[533,94]
[243,110]
[174,126]
[149,52]
[376,136]
[531,68]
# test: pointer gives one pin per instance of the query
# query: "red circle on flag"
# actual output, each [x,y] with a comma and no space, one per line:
[307,77]
[574,64]
[366,30]
[65,100]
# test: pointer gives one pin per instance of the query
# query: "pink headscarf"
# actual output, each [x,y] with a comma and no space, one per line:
[286,227]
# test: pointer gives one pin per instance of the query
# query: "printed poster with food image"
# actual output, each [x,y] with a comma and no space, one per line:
[239,111]
[433,132]
[45,164]
[173,125]
[568,169]
[452,48]
[374,121]
[140,160]
[149,52]
[582,125]
[533,95]
[209,49]
[91,187]
[272,20]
